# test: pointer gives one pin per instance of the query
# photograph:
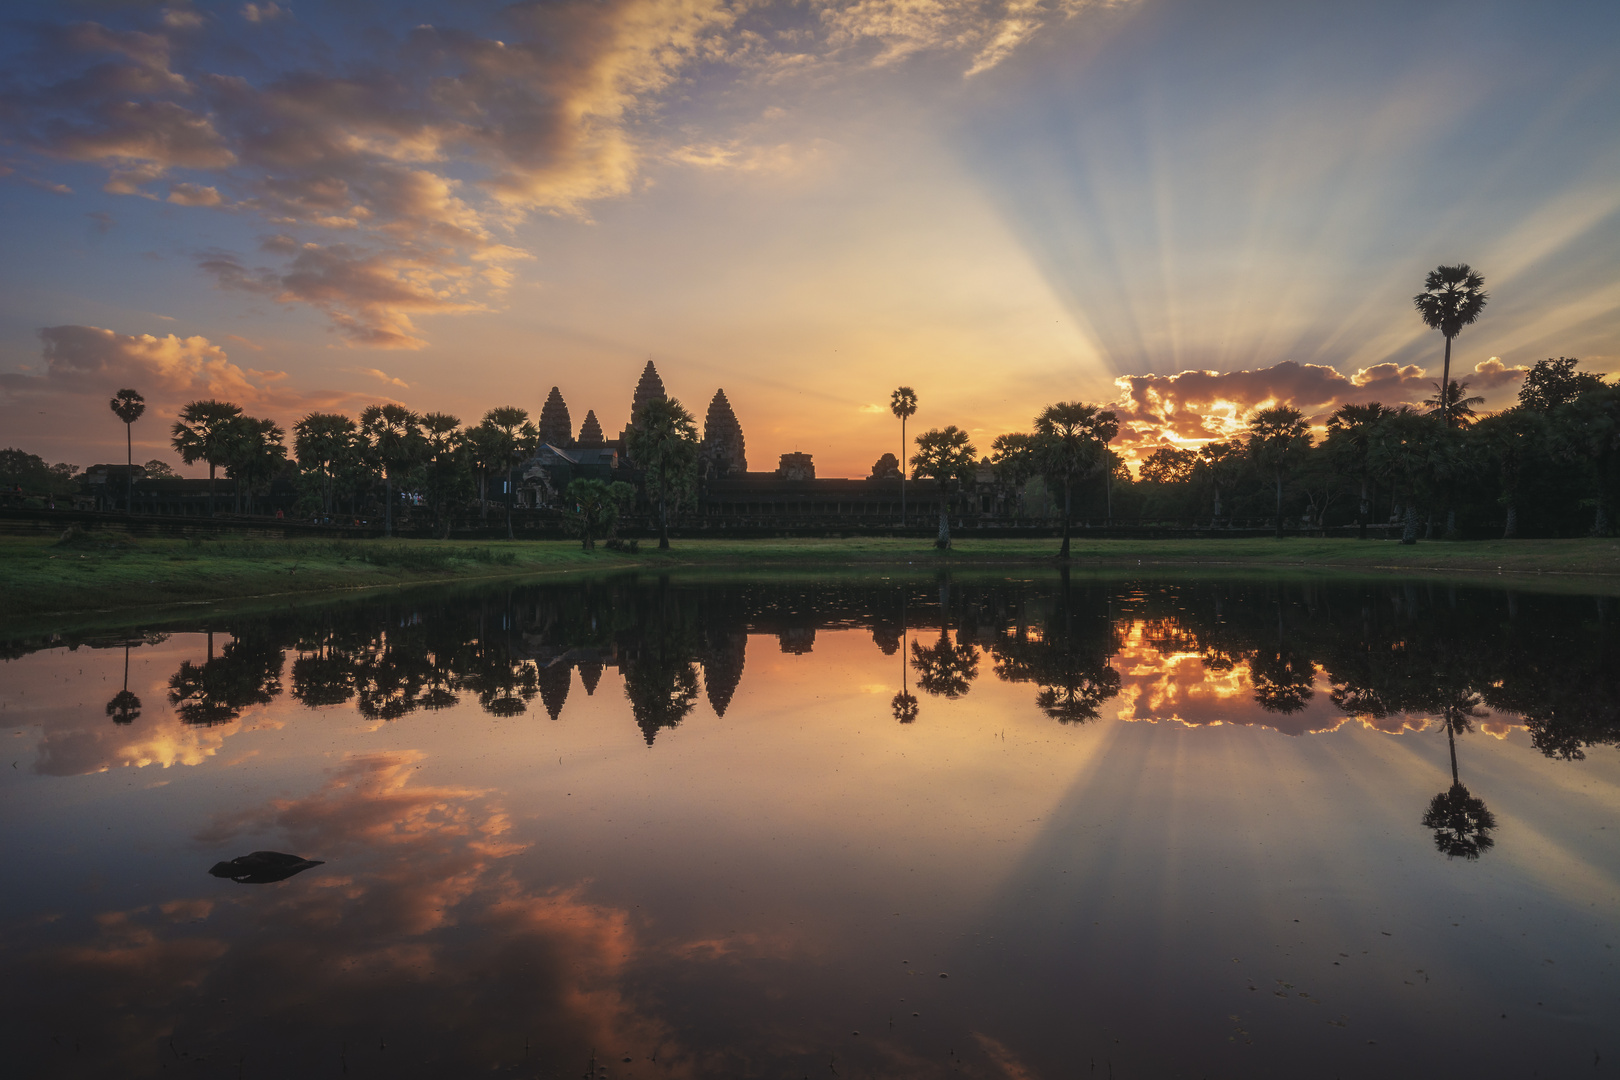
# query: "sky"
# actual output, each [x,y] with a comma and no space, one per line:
[1185,208]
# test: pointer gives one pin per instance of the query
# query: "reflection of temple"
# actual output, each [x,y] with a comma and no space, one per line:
[730,492]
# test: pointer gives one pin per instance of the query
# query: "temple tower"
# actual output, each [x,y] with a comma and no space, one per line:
[650,388]
[555,426]
[722,452]
[590,433]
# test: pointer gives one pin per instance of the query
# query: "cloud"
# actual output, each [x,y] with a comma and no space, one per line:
[369,295]
[383,376]
[84,365]
[263,13]
[429,151]
[1492,373]
[1192,407]
[101,221]
[194,195]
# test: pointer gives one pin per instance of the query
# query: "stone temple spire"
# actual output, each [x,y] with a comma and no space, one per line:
[650,388]
[590,433]
[555,427]
[722,451]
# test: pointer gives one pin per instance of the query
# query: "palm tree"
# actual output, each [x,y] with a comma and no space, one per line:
[446,462]
[1071,444]
[392,436]
[326,446]
[1459,405]
[663,442]
[1278,437]
[512,440]
[1013,456]
[903,403]
[1349,438]
[1452,298]
[945,455]
[128,405]
[254,454]
[203,433]
[1221,461]
[597,504]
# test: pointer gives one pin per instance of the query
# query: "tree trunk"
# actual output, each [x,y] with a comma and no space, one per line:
[1279,505]
[1445,388]
[1215,521]
[1451,740]
[483,497]
[1451,525]
[1510,530]
[1409,532]
[388,506]
[1063,552]
[129,478]
[663,523]
[902,472]
[210,489]
[511,497]
[1428,526]
[1361,512]
[943,540]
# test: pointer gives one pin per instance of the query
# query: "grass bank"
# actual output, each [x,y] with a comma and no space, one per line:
[105,573]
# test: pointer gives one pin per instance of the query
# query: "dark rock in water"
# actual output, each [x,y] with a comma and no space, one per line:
[263,867]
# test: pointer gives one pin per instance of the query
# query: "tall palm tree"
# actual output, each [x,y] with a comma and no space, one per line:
[1072,444]
[392,436]
[945,455]
[1278,438]
[511,440]
[204,433]
[903,403]
[1221,461]
[663,443]
[254,454]
[128,405]
[1452,298]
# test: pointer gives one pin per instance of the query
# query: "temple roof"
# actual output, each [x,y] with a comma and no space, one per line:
[555,426]
[650,388]
[590,432]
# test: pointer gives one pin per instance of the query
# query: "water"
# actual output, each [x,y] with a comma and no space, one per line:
[982,826]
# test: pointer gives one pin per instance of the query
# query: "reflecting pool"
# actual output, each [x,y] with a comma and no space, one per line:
[1025,825]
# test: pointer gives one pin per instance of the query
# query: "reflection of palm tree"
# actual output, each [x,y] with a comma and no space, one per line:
[1283,677]
[945,670]
[1462,824]
[125,707]
[903,704]
[247,672]
[1073,673]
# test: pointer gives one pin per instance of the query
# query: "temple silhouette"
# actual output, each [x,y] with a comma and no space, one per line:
[729,491]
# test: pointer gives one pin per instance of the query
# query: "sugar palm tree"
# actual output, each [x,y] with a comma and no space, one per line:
[1278,438]
[1461,822]
[903,403]
[1452,298]
[663,443]
[392,436]
[511,440]
[128,405]
[946,456]
[1072,444]
[204,433]
[125,707]
[327,448]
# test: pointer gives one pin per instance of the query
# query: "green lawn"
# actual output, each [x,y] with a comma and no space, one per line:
[41,578]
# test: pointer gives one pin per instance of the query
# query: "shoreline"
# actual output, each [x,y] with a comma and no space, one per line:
[47,580]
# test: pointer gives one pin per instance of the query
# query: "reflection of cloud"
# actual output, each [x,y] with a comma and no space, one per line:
[416,926]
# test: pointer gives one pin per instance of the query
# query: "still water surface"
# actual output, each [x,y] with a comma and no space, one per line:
[990,827]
